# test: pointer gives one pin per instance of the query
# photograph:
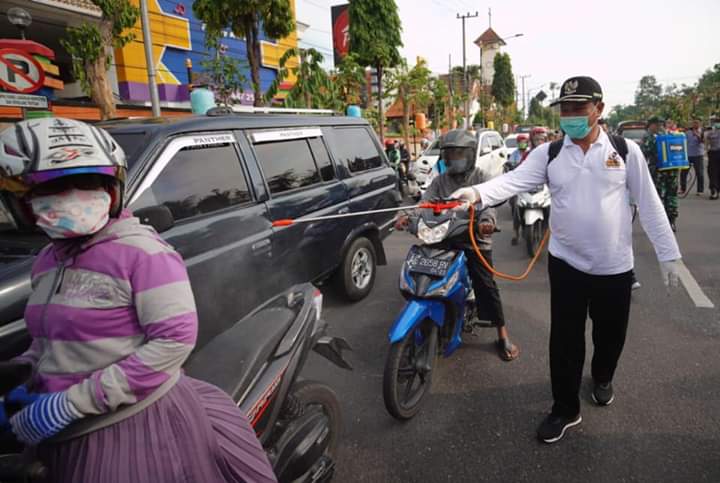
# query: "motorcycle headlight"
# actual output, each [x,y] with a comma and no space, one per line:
[432,235]
[443,289]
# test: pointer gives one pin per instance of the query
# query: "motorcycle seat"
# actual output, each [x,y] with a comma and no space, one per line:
[231,360]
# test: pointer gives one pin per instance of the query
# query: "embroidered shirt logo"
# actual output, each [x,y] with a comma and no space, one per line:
[613,161]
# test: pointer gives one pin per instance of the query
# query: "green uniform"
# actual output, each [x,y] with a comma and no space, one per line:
[666,182]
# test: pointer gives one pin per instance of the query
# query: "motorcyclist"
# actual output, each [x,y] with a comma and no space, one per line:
[517,157]
[520,153]
[458,150]
[538,136]
[392,153]
[112,318]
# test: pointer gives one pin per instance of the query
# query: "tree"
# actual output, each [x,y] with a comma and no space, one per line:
[244,18]
[90,46]
[311,87]
[647,95]
[350,80]
[440,100]
[374,38]
[708,93]
[535,111]
[503,85]
[226,77]
[411,88]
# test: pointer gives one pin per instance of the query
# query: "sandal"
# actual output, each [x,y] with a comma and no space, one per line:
[507,350]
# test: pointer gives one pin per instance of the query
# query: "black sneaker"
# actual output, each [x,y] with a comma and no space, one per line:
[603,394]
[553,427]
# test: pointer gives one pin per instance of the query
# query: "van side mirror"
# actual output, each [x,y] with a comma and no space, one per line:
[159,217]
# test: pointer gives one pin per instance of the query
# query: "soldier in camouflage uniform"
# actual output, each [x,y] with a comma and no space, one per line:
[666,182]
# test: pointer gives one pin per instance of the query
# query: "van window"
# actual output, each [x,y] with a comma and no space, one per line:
[198,180]
[287,165]
[357,149]
[495,142]
[322,159]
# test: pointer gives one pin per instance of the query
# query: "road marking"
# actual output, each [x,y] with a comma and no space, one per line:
[693,289]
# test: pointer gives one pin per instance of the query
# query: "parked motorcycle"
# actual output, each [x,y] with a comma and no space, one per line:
[440,304]
[533,212]
[258,363]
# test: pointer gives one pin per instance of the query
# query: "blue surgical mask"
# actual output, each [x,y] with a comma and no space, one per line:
[577,127]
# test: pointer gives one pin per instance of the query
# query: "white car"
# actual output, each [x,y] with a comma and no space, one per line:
[510,143]
[491,155]
[423,166]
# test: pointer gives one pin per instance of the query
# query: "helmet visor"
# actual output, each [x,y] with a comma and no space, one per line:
[454,153]
[24,183]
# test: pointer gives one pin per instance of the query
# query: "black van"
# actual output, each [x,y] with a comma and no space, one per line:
[213,185]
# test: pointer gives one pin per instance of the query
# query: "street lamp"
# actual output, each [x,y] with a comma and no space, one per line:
[20,18]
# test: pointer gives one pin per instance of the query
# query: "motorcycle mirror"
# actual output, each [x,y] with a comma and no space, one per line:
[159,217]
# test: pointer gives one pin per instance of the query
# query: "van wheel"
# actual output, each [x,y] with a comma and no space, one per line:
[356,275]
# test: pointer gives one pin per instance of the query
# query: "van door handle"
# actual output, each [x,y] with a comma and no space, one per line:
[378,179]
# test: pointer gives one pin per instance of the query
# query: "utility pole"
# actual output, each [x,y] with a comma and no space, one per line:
[524,105]
[147,40]
[465,80]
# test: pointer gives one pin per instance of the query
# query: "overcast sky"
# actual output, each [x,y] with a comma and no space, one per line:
[615,41]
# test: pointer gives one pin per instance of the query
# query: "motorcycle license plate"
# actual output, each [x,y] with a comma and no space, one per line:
[428,266]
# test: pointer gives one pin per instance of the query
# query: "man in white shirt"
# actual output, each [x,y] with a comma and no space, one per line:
[591,257]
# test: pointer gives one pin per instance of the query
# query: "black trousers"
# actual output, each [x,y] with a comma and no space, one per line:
[487,294]
[696,162]
[714,170]
[574,294]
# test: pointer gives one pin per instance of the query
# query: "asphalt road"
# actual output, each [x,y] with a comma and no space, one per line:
[479,422]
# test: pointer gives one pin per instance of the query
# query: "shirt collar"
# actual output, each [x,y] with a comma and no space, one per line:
[602,139]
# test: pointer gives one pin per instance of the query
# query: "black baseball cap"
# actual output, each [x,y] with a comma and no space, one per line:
[579,89]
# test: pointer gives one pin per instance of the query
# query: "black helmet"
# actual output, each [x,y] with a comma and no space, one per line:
[457,149]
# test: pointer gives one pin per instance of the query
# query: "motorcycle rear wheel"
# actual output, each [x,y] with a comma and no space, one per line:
[408,363]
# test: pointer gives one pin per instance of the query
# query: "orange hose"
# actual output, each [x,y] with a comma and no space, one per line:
[514,278]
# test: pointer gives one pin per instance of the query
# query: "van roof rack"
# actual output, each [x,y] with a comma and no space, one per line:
[242,109]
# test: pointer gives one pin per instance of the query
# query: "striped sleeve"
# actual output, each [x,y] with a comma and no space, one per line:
[166,312]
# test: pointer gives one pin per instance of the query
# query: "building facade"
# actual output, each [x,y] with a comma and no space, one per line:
[178,41]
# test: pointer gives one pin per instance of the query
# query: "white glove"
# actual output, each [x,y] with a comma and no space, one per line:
[671,272]
[469,195]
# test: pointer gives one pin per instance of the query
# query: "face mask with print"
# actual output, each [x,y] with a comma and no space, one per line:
[72,213]
[522,146]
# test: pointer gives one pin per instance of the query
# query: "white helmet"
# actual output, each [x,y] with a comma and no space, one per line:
[40,150]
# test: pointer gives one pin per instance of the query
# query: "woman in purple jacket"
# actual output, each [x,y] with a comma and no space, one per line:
[112,318]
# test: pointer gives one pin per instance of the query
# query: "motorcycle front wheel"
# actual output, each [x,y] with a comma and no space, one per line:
[408,370]
[533,237]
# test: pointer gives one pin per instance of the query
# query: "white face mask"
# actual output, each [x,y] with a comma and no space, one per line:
[72,213]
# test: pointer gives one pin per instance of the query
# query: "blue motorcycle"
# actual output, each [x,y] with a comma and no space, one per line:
[440,305]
